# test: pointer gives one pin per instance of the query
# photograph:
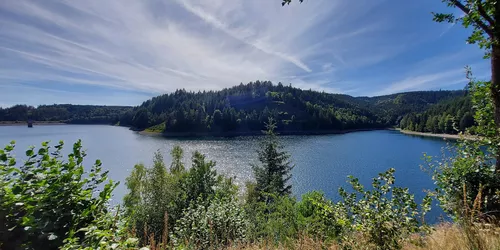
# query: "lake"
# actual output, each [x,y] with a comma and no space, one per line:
[322,162]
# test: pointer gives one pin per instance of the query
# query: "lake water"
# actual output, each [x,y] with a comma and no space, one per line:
[322,162]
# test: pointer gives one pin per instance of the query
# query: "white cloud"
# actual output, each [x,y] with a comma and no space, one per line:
[158,46]
[427,81]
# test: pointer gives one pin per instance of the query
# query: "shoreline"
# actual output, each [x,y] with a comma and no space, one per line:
[23,123]
[251,133]
[442,136]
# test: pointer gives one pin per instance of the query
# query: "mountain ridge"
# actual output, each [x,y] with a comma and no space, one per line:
[245,108]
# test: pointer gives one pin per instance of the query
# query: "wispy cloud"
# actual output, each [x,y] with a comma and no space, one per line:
[427,81]
[157,46]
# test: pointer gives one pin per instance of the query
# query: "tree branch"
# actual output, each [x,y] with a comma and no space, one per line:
[483,13]
[468,11]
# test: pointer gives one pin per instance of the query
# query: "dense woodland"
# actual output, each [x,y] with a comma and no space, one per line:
[246,107]
[449,116]
[78,114]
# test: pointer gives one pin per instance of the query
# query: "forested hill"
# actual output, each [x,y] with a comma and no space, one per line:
[448,116]
[246,107]
[67,113]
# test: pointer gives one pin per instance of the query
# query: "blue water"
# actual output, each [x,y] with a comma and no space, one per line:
[321,162]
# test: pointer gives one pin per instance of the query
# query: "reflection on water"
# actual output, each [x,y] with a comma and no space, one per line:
[321,162]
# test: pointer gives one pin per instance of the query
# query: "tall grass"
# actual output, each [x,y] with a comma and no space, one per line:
[445,236]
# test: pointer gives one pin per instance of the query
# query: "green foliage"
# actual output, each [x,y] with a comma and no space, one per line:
[462,177]
[219,224]
[154,195]
[47,200]
[78,114]
[477,14]
[107,232]
[275,221]
[245,108]
[273,174]
[201,180]
[159,198]
[449,116]
[156,128]
[386,215]
[177,154]
[468,180]
[319,217]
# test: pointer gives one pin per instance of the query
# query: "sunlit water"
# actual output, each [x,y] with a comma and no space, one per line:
[321,162]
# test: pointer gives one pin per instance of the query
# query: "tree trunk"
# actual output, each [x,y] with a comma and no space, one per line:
[495,77]
[495,92]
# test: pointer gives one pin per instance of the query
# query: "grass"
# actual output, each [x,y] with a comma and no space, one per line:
[159,128]
[446,236]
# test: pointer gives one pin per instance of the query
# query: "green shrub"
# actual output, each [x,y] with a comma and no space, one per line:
[468,180]
[385,215]
[46,200]
[319,217]
[221,223]
[159,197]
[275,221]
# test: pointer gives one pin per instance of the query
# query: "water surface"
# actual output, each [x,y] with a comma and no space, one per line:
[322,162]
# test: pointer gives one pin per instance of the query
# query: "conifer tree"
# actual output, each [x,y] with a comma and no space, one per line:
[274,171]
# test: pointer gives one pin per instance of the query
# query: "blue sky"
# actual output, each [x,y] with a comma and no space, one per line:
[122,52]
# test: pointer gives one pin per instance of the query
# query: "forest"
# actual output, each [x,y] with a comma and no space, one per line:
[247,106]
[448,117]
[67,113]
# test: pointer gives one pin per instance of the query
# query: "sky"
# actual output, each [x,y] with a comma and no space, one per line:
[123,52]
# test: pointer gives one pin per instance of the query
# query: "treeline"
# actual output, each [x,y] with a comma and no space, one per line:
[449,116]
[392,108]
[246,107]
[67,113]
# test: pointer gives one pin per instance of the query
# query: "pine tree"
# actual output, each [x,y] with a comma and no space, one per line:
[273,174]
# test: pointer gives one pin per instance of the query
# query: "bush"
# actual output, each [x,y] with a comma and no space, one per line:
[386,215]
[159,198]
[274,221]
[221,223]
[468,181]
[47,200]
[319,217]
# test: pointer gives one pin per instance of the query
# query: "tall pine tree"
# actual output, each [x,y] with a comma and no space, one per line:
[274,171]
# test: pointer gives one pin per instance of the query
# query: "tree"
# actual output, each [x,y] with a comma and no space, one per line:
[202,179]
[466,121]
[273,174]
[141,118]
[177,154]
[483,16]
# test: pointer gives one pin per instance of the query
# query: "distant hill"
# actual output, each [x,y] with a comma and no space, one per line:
[246,107]
[448,116]
[67,113]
